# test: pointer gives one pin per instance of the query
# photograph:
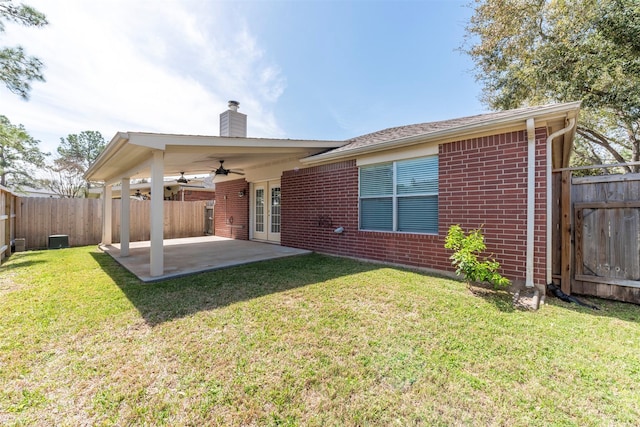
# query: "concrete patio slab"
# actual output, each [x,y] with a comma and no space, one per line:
[197,254]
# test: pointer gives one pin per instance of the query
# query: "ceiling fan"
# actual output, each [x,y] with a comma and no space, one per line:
[222,171]
[182,179]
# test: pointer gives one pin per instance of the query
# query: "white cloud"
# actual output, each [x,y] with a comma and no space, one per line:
[158,66]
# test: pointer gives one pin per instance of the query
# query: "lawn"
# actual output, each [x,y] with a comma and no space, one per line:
[310,340]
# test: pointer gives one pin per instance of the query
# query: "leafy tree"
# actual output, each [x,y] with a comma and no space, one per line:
[19,155]
[529,52]
[17,69]
[77,152]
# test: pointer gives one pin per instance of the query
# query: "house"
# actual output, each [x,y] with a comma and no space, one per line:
[388,196]
[26,191]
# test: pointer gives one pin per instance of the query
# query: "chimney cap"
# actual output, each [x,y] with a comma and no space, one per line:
[233,105]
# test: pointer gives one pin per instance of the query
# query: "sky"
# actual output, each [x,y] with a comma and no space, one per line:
[327,70]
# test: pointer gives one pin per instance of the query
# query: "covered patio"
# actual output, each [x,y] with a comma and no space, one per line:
[195,255]
[231,156]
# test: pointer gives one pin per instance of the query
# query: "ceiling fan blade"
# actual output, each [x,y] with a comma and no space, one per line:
[237,173]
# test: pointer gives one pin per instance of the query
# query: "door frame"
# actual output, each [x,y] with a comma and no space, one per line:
[267,235]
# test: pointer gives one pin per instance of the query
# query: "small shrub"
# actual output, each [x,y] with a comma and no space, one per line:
[466,257]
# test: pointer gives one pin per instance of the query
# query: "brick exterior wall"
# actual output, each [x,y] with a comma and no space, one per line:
[194,196]
[231,212]
[482,182]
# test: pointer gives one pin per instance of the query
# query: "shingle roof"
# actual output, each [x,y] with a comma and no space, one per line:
[400,132]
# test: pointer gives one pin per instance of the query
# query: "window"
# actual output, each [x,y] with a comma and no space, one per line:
[275,209]
[400,196]
[260,210]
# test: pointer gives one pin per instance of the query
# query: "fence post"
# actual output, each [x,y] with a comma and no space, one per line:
[565,233]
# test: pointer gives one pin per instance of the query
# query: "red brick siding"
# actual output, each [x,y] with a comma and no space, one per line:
[317,200]
[482,182]
[193,196]
[231,212]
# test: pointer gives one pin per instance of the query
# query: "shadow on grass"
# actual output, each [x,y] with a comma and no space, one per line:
[164,301]
[503,301]
[23,262]
[500,298]
[625,311]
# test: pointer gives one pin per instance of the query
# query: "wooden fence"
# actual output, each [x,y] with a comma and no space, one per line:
[181,219]
[7,221]
[39,217]
[597,238]
[81,220]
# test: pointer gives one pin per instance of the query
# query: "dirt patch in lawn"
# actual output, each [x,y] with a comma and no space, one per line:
[7,284]
[522,298]
[526,299]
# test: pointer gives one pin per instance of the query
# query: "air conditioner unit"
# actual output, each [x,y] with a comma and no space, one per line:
[58,241]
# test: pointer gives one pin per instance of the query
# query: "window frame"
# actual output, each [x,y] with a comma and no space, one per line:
[395,196]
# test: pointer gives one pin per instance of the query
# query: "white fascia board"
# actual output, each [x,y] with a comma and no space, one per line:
[161,141]
[461,132]
[394,155]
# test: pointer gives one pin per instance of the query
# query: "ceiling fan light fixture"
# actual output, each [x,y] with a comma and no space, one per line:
[182,179]
[222,171]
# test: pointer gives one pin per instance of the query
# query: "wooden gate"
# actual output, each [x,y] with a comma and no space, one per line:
[599,235]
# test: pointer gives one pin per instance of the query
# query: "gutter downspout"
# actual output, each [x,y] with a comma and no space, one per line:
[550,139]
[531,200]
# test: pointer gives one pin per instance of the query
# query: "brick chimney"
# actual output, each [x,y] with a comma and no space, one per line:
[233,123]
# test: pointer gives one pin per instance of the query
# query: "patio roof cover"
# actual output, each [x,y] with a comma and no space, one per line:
[142,155]
[130,154]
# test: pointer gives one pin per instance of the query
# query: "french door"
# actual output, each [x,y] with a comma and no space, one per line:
[267,211]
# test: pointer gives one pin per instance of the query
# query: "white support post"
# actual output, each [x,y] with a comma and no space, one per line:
[157,214]
[106,214]
[531,201]
[125,209]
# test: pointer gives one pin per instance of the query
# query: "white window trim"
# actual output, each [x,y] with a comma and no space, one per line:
[394,199]
[406,154]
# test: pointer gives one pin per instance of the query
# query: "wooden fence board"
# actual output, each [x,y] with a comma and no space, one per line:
[564,217]
[81,220]
[606,235]
[7,221]
[556,233]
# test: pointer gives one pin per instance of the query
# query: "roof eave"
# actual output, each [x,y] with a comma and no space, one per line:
[446,134]
[117,142]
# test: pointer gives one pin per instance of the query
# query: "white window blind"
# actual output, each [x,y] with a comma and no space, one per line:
[400,196]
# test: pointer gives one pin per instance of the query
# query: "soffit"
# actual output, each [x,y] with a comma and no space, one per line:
[129,154]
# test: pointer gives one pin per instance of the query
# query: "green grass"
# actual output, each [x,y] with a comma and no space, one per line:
[310,340]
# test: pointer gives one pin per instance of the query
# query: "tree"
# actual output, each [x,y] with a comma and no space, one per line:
[17,69]
[77,152]
[64,184]
[529,52]
[19,155]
